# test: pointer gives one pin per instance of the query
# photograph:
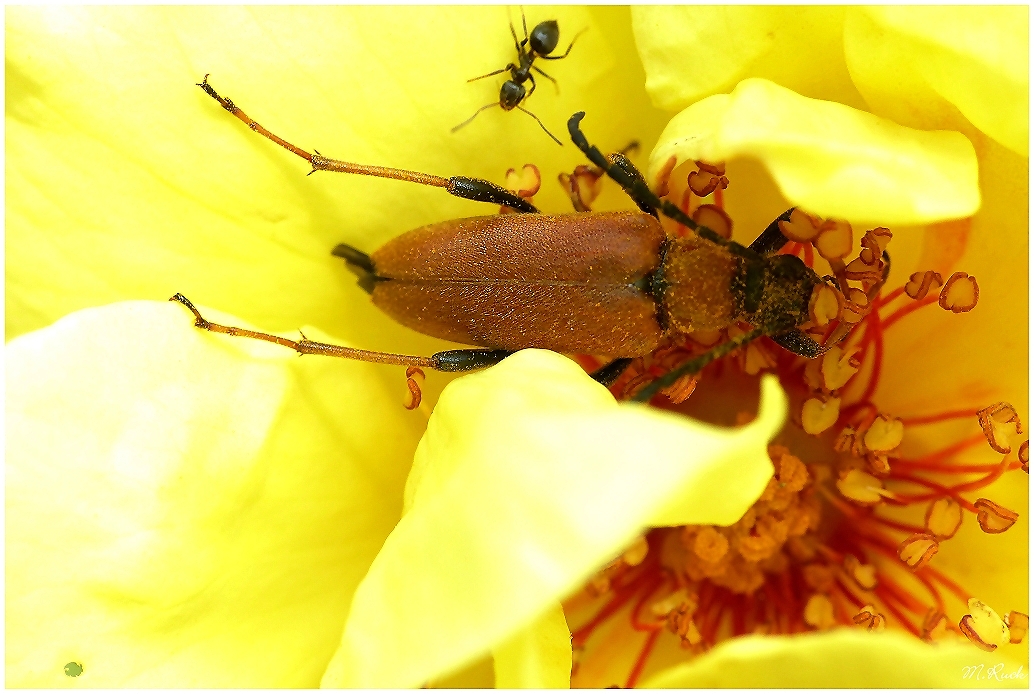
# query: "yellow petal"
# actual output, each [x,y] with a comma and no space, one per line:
[538,656]
[693,52]
[129,182]
[915,61]
[185,509]
[842,658]
[832,160]
[547,479]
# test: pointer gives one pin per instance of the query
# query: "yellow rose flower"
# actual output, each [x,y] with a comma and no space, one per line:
[230,515]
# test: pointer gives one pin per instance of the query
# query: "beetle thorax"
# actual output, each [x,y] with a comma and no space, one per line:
[698,293]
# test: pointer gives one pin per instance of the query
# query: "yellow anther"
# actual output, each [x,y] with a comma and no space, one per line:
[680,390]
[846,440]
[863,574]
[993,518]
[705,181]
[756,358]
[860,271]
[869,618]
[935,625]
[835,240]
[879,465]
[635,554]
[817,415]
[884,434]
[919,284]
[983,627]
[993,421]
[714,217]
[813,375]
[680,599]
[916,550]
[960,293]
[680,622]
[802,227]
[1017,623]
[943,518]
[1024,455]
[874,243]
[818,612]
[856,306]
[524,183]
[825,304]
[710,545]
[861,487]
[838,367]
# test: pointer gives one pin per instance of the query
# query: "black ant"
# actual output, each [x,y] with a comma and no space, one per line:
[540,43]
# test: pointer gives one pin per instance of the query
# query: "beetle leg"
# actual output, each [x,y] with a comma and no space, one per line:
[460,186]
[771,239]
[696,364]
[608,373]
[451,360]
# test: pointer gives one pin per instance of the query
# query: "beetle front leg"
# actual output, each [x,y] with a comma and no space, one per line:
[608,373]
[696,364]
[772,239]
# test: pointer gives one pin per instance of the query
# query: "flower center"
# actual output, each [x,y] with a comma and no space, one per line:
[846,529]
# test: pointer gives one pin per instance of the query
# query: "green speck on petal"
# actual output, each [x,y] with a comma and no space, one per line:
[843,658]
[544,478]
[186,509]
[830,159]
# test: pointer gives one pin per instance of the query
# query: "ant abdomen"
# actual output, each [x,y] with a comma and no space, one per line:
[544,37]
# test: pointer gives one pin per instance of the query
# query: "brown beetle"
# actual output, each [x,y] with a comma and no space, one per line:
[603,283]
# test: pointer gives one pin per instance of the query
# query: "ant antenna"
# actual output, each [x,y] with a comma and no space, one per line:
[494,103]
[538,121]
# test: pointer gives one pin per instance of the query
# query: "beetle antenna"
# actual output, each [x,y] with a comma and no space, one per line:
[637,189]
[540,123]
[466,122]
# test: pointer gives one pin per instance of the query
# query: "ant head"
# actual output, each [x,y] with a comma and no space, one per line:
[510,95]
[544,37]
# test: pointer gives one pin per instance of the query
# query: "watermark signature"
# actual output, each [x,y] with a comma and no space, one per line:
[994,673]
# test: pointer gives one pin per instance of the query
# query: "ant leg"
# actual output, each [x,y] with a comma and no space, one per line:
[696,364]
[557,86]
[451,360]
[460,186]
[492,74]
[771,239]
[530,91]
[637,189]
[608,373]
[561,57]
